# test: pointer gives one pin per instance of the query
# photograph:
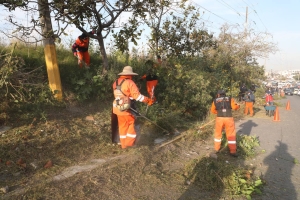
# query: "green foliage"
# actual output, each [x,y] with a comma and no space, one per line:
[246,145]
[233,61]
[104,20]
[222,176]
[23,83]
[217,175]
[22,79]
[128,34]
[83,83]
[175,34]
[180,37]
[241,182]
[13,4]
[187,84]
[184,87]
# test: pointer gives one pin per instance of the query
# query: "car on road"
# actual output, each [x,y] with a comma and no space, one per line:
[296,91]
[288,91]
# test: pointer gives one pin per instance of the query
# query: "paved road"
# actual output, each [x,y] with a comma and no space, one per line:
[279,165]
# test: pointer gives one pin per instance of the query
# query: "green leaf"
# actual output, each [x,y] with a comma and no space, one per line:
[80,82]
[249,192]
[258,182]
[242,180]
[258,191]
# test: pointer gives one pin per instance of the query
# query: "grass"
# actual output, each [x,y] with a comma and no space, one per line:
[222,175]
[68,139]
[63,135]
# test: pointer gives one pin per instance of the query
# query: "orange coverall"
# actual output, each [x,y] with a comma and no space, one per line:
[227,122]
[151,79]
[125,118]
[82,51]
[249,102]
[248,108]
[151,84]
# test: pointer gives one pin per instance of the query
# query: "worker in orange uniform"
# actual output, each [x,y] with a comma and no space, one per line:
[223,106]
[249,99]
[80,50]
[151,77]
[125,91]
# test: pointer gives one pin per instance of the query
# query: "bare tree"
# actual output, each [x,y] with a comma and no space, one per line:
[236,54]
[241,46]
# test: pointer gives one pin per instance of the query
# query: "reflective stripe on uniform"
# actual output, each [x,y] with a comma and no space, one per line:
[231,142]
[123,136]
[131,135]
[140,98]
[218,140]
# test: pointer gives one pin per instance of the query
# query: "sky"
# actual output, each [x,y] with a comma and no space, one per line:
[280,18]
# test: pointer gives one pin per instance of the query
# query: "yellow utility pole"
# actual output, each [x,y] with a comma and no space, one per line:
[49,50]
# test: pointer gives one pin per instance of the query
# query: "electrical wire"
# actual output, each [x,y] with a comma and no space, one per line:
[253,9]
[213,13]
[224,3]
[261,20]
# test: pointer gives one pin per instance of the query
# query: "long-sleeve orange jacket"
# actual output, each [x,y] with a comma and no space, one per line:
[82,44]
[129,89]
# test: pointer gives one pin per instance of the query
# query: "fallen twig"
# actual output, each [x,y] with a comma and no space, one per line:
[219,177]
[176,138]
[207,124]
[182,135]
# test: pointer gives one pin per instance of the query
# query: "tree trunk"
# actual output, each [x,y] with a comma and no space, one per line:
[103,54]
[49,49]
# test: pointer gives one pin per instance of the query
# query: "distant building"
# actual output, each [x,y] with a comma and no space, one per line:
[289,73]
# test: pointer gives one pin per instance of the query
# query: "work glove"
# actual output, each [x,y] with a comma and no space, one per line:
[148,101]
[143,77]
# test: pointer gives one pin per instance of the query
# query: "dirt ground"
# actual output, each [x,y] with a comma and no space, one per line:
[68,154]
